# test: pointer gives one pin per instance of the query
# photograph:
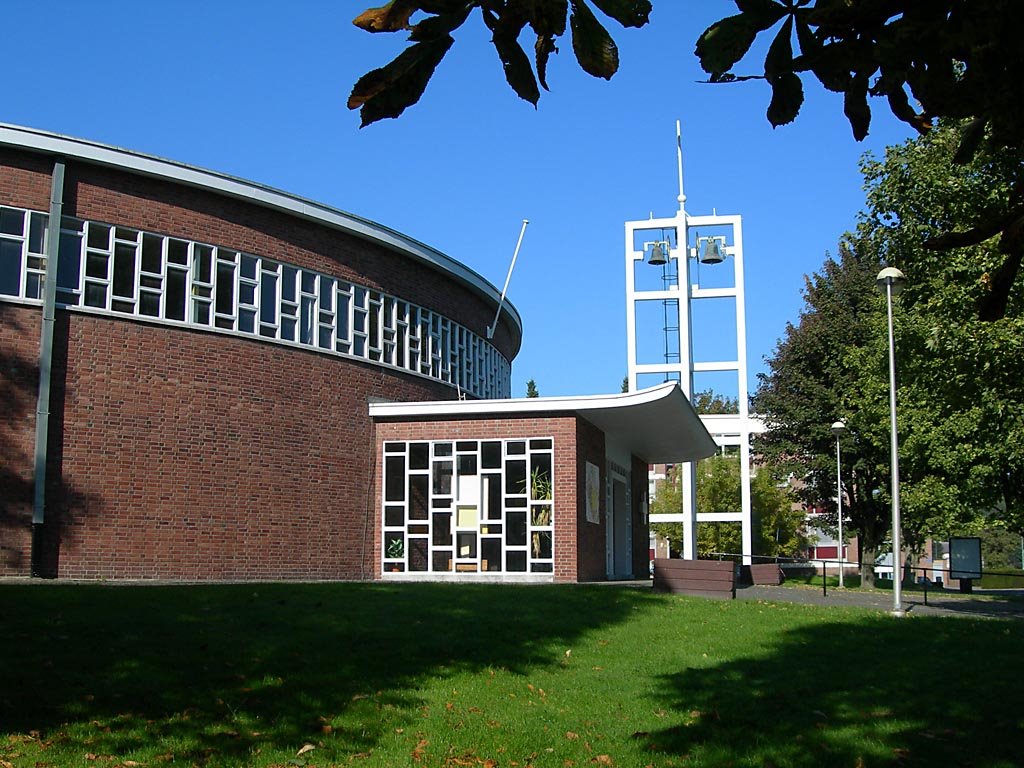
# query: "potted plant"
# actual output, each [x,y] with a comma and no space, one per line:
[395,550]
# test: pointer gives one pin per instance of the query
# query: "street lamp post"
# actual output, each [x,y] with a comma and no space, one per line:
[890,280]
[838,428]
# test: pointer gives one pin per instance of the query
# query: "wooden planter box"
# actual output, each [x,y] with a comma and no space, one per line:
[766,573]
[704,578]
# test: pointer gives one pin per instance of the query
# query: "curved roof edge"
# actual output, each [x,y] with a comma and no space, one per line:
[148,165]
[658,424]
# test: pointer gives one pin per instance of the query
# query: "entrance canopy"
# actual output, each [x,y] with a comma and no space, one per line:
[657,425]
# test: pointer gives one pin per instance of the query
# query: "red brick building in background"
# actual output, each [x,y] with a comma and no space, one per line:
[221,358]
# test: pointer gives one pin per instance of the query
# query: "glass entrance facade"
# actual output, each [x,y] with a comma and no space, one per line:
[469,506]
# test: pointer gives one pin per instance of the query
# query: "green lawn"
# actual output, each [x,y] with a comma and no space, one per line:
[492,675]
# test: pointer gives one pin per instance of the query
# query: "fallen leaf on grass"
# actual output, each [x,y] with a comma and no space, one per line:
[305,748]
[602,760]
[571,736]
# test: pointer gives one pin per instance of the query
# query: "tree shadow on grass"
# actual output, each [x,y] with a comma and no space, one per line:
[884,691]
[214,674]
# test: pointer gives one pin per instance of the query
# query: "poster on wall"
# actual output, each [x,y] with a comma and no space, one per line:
[593,494]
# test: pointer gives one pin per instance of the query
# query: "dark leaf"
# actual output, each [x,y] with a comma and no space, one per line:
[763,12]
[970,140]
[629,13]
[809,44]
[856,109]
[547,18]
[724,43]
[388,18]
[517,68]
[594,48]
[780,54]
[787,98]
[543,49]
[440,26]
[386,92]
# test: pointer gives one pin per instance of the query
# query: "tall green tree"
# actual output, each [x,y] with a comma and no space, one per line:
[830,365]
[961,377]
[531,389]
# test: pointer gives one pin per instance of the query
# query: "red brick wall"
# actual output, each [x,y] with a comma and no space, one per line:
[194,455]
[241,460]
[25,180]
[19,386]
[568,492]
[592,542]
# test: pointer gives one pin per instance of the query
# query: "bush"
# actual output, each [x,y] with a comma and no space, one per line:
[1002,578]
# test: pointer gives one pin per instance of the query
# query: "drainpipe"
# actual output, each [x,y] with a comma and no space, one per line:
[45,364]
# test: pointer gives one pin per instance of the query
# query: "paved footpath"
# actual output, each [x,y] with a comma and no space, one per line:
[991,604]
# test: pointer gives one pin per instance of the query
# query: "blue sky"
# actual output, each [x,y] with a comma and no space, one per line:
[258,90]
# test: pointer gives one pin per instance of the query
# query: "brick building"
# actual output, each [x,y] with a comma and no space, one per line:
[230,382]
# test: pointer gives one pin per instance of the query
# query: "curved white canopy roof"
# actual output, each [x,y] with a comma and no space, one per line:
[657,425]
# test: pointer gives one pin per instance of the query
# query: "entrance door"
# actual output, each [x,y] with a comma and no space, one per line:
[622,542]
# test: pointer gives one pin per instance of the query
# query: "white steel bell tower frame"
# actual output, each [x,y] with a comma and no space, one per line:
[675,244]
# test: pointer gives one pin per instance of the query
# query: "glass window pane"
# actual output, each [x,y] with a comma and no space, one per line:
[200,312]
[95,295]
[124,270]
[69,264]
[12,222]
[442,477]
[542,545]
[490,455]
[247,294]
[515,476]
[515,561]
[308,282]
[326,293]
[202,263]
[268,298]
[152,247]
[10,268]
[249,265]
[175,294]
[99,236]
[490,554]
[96,265]
[288,275]
[33,286]
[177,252]
[225,288]
[37,232]
[442,536]
[247,320]
[417,554]
[394,478]
[419,491]
[394,516]
[149,304]
[419,455]
[515,529]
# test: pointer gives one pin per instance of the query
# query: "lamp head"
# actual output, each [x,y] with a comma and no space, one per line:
[838,428]
[890,276]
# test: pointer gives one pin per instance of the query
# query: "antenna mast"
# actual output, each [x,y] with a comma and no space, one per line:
[493,326]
